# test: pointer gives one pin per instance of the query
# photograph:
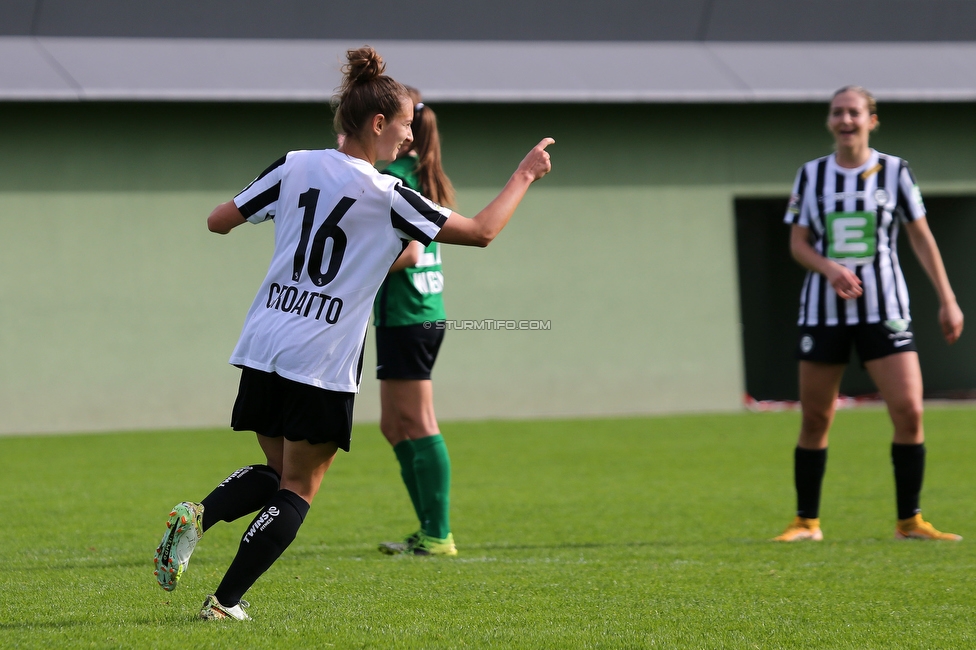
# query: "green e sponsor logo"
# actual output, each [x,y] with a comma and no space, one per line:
[851,236]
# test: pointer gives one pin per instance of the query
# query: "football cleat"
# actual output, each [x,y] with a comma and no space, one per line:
[917,528]
[396,548]
[801,529]
[428,545]
[213,611]
[184,528]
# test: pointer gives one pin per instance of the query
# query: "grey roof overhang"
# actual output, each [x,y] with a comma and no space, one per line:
[267,70]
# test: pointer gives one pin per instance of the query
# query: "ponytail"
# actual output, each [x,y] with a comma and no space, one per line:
[434,183]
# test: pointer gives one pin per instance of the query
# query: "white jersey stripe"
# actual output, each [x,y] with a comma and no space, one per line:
[814,307]
[870,286]
[830,304]
[902,287]
[850,305]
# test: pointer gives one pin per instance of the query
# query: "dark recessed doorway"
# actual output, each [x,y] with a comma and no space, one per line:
[769,290]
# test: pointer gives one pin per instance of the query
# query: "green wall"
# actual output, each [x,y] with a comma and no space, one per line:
[118,309]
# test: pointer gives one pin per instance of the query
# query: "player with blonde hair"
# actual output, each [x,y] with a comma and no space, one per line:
[845,213]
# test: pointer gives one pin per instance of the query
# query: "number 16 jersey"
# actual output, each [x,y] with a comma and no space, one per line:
[854,216]
[339,225]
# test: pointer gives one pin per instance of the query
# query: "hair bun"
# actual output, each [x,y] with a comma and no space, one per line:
[365,64]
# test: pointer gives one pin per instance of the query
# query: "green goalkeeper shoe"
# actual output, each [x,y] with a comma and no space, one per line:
[397,548]
[428,545]
[184,528]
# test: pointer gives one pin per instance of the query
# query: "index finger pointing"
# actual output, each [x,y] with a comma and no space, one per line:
[545,143]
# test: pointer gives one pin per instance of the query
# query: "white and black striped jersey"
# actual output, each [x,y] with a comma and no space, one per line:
[339,225]
[854,216]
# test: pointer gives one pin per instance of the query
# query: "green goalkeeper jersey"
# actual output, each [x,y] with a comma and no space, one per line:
[415,294]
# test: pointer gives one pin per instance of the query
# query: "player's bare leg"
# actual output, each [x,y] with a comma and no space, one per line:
[899,380]
[407,409]
[819,388]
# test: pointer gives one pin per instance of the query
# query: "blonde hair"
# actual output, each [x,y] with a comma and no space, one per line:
[863,92]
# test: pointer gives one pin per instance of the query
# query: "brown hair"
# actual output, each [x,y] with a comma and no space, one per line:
[863,92]
[366,92]
[434,183]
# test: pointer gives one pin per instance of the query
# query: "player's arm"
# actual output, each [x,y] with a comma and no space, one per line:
[409,257]
[224,218]
[843,280]
[485,226]
[927,251]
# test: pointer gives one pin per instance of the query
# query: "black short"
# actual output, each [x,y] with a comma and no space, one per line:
[871,340]
[273,406]
[407,352]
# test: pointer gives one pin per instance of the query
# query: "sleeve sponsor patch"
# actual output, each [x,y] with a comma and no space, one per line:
[794,205]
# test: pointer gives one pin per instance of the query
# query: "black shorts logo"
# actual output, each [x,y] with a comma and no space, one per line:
[806,344]
[898,330]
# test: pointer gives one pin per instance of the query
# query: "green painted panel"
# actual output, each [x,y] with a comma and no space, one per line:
[642,307]
[84,147]
[119,309]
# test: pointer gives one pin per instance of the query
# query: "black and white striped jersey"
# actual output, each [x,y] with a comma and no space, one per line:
[339,225]
[854,216]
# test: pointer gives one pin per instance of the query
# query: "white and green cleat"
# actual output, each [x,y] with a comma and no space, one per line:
[214,611]
[184,528]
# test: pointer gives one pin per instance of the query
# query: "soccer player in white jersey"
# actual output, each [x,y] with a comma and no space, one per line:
[845,214]
[339,225]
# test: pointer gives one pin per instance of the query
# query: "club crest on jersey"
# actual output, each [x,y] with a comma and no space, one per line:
[881,196]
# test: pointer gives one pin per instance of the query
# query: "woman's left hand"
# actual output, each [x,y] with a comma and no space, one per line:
[951,319]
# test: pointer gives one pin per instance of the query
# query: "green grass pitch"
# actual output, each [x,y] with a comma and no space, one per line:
[617,533]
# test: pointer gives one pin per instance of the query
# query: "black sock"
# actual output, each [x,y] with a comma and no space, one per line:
[808,472]
[909,462]
[272,530]
[241,493]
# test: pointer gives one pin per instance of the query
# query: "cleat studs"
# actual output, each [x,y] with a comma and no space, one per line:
[155,573]
[183,519]
[172,513]
[168,525]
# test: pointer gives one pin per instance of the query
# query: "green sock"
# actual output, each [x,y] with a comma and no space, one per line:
[405,455]
[432,467]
